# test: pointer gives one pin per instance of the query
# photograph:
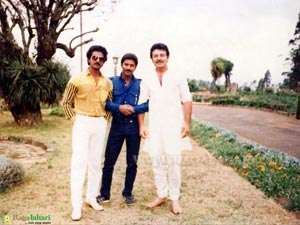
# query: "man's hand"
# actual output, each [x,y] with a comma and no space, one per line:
[185,130]
[126,109]
[143,132]
[73,120]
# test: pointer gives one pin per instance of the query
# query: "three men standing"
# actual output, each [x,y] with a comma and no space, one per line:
[95,96]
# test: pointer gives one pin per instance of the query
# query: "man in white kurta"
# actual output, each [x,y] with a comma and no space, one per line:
[170,108]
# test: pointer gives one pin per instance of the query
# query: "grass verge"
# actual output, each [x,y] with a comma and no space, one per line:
[275,173]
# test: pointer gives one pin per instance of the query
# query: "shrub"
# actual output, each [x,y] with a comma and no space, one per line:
[282,101]
[225,100]
[197,98]
[11,173]
[57,112]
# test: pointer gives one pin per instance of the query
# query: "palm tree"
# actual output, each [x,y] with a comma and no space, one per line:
[27,85]
[220,66]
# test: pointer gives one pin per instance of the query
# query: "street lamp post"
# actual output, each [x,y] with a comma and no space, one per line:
[115,61]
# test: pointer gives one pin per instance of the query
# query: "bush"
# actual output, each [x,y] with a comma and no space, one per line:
[11,173]
[57,112]
[281,101]
[225,100]
[197,98]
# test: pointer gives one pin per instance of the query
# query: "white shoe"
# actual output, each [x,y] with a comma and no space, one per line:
[94,205]
[76,214]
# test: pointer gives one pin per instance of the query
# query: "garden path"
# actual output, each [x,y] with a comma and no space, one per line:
[268,129]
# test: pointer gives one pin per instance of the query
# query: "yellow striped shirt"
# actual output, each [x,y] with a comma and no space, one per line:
[88,97]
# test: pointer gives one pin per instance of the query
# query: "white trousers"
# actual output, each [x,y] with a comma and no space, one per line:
[167,175]
[88,143]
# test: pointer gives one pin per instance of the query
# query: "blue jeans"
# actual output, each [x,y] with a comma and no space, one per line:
[121,130]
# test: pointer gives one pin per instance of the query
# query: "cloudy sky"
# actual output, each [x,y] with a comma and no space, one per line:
[253,34]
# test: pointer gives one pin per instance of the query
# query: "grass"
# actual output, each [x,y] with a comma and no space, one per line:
[211,192]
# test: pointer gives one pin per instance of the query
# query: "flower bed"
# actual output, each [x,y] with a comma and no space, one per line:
[276,173]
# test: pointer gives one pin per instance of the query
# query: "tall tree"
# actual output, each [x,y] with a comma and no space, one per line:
[264,82]
[293,76]
[220,66]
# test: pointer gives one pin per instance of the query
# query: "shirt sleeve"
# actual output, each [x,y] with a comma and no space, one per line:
[142,108]
[185,93]
[68,100]
[144,92]
[111,106]
[108,113]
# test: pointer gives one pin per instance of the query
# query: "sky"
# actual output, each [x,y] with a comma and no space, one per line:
[253,34]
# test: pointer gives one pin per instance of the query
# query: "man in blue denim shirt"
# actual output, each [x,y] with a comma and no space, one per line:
[124,126]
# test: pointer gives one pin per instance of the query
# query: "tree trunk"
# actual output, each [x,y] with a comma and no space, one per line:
[298,108]
[25,117]
[227,82]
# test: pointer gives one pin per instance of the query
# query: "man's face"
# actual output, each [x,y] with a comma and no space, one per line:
[160,58]
[128,67]
[97,60]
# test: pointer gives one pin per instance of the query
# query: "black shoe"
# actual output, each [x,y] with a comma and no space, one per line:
[129,200]
[101,199]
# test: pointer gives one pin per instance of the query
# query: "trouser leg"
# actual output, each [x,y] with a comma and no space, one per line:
[174,176]
[80,137]
[159,164]
[95,157]
[113,147]
[132,152]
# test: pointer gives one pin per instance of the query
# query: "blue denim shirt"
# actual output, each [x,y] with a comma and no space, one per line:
[125,95]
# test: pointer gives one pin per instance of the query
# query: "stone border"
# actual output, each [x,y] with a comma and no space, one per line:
[24,140]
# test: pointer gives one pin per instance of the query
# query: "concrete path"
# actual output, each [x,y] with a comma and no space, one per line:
[269,129]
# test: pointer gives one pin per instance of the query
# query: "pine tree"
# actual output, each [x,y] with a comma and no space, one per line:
[293,77]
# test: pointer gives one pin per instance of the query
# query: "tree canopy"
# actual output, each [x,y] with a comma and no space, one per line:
[221,66]
[293,76]
[264,82]
[40,23]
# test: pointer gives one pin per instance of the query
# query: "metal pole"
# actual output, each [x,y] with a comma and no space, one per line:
[115,62]
[81,53]
[115,71]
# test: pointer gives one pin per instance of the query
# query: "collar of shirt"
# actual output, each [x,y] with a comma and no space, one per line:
[121,79]
[101,77]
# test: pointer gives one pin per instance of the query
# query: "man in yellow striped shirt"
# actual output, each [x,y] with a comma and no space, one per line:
[88,92]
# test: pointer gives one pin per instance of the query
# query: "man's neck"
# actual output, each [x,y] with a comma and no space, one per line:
[126,78]
[160,71]
[95,73]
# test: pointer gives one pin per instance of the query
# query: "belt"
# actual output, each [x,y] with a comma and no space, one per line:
[89,115]
[124,120]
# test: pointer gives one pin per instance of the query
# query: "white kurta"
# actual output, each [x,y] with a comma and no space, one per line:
[165,112]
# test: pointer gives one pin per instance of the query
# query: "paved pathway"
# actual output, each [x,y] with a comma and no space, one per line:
[265,128]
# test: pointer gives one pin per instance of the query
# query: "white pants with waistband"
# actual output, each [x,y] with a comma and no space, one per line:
[167,176]
[88,143]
